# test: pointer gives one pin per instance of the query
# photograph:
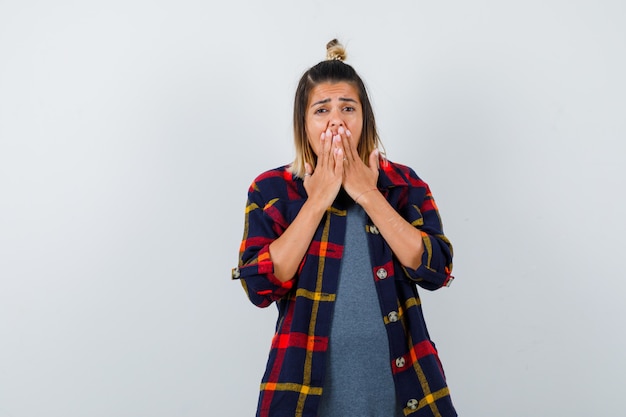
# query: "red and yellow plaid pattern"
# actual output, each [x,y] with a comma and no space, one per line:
[293,380]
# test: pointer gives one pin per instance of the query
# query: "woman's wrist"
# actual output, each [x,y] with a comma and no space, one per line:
[356,200]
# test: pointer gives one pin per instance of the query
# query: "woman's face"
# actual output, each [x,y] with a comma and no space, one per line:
[332,106]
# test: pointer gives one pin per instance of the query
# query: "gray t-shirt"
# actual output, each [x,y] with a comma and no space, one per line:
[358,371]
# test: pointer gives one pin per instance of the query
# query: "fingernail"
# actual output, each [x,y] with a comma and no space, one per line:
[341,130]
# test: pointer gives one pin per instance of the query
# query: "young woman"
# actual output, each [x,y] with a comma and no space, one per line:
[338,239]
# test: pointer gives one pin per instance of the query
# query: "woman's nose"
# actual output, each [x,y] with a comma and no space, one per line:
[336,121]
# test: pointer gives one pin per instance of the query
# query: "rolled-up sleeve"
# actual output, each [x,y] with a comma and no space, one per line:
[255,269]
[436,267]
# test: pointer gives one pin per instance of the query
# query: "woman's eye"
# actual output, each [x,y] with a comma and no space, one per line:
[348,109]
[319,111]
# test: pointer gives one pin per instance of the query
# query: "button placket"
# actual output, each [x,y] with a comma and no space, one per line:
[381,273]
[412,404]
[400,362]
[393,316]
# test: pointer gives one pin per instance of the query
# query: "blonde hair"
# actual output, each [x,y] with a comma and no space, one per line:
[332,70]
[335,50]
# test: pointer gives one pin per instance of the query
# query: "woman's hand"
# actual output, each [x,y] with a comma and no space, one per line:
[322,187]
[358,178]
[323,184]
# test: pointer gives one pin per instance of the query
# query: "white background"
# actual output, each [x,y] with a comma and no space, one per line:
[130,131]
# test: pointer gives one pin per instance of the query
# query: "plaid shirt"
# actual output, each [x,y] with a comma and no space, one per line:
[294,377]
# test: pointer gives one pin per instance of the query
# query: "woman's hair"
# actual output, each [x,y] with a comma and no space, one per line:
[332,70]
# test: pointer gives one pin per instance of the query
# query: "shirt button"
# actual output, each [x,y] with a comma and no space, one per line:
[381,273]
[412,403]
[393,316]
[400,362]
[374,229]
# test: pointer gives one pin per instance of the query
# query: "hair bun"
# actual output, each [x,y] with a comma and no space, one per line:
[335,51]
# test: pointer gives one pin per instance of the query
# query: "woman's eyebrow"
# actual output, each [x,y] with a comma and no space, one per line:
[327,100]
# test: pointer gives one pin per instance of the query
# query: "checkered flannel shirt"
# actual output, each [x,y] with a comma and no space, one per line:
[293,381]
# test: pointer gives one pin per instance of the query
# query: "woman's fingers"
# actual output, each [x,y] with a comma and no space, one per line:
[374,162]
[325,141]
[346,141]
[308,170]
[339,158]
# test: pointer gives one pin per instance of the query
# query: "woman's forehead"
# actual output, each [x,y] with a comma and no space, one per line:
[333,91]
